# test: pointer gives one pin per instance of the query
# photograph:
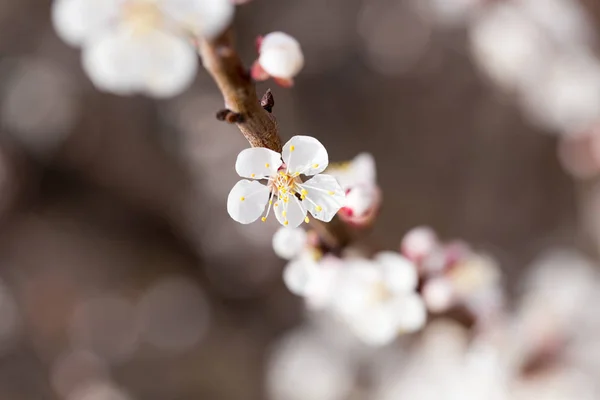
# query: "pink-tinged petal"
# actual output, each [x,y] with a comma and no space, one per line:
[324,197]
[305,155]
[258,73]
[289,213]
[247,200]
[257,163]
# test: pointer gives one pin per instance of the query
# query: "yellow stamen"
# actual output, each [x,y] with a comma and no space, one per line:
[242,198]
[284,213]
[304,192]
[276,205]
[264,219]
[285,223]
[331,193]
[270,202]
[315,165]
[306,220]
[286,199]
[319,208]
[292,148]
[267,165]
[252,175]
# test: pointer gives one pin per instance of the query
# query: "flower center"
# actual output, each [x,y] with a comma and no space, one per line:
[380,293]
[142,15]
[285,185]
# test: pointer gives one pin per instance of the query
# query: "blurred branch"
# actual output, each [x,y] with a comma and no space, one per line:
[254,119]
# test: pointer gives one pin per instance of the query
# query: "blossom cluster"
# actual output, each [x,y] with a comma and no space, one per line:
[376,298]
[545,59]
[454,275]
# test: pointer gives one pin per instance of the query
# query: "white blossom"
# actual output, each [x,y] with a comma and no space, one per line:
[419,243]
[358,178]
[321,195]
[313,278]
[289,242]
[280,57]
[378,298]
[140,46]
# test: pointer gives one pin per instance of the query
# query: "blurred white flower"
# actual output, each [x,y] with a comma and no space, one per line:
[566,98]
[321,195]
[418,243]
[280,57]
[508,46]
[313,278]
[378,298]
[289,242]
[140,46]
[303,366]
[358,178]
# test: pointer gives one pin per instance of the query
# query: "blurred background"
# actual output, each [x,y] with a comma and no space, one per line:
[120,268]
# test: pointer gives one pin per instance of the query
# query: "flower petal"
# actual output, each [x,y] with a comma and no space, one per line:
[155,63]
[399,273]
[76,21]
[375,327]
[298,275]
[257,163]
[324,197]
[206,18]
[360,171]
[247,201]
[305,155]
[290,213]
[289,242]
[411,312]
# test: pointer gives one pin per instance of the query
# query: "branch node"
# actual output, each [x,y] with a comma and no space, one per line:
[268,101]
[229,116]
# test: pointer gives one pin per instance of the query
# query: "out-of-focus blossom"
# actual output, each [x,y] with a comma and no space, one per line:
[303,366]
[321,195]
[449,13]
[140,46]
[565,21]
[173,314]
[289,242]
[101,390]
[280,57]
[39,105]
[507,46]
[105,326]
[418,243]
[313,277]
[566,96]
[377,298]
[358,178]
[396,35]
[77,369]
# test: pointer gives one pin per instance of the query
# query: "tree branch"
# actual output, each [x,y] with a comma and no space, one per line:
[258,126]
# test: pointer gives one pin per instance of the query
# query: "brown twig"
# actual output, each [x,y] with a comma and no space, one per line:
[255,120]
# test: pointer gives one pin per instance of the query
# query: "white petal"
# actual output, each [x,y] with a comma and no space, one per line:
[412,313]
[363,170]
[308,157]
[355,286]
[257,163]
[281,55]
[377,327]
[207,18]
[400,274]
[297,275]
[293,212]
[76,21]
[155,63]
[289,242]
[325,197]
[247,201]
